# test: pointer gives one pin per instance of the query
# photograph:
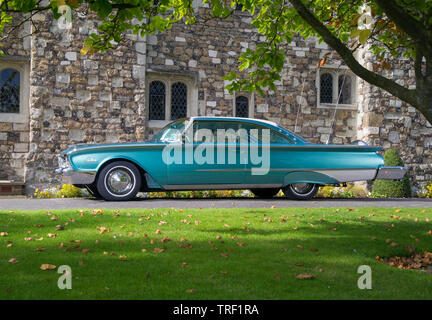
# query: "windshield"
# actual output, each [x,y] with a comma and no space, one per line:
[171,132]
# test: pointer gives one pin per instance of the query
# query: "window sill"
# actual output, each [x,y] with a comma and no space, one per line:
[339,106]
[158,123]
[13,117]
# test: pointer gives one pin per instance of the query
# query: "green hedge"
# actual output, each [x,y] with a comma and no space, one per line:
[390,188]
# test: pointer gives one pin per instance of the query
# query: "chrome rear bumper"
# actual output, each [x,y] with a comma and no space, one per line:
[391,173]
[70,176]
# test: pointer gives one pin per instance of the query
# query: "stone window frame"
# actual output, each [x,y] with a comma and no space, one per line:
[337,71]
[23,66]
[168,79]
[251,102]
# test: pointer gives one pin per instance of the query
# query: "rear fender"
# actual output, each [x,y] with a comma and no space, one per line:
[308,177]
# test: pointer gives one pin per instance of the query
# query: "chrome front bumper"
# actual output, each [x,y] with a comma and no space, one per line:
[69,176]
[391,173]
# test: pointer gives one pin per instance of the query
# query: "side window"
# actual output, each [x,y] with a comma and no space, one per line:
[157,101]
[9,91]
[242,107]
[275,137]
[344,89]
[178,101]
[230,133]
[326,88]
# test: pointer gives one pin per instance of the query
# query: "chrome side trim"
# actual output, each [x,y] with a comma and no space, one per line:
[391,173]
[294,146]
[285,169]
[350,175]
[219,186]
[77,177]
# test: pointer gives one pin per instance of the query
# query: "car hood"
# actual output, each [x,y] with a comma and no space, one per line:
[89,146]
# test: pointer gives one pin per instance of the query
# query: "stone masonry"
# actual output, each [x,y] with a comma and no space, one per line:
[103,98]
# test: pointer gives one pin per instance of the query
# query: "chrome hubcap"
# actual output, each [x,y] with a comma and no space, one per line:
[119,181]
[302,188]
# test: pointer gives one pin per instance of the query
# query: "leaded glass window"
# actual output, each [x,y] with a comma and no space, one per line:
[242,107]
[326,88]
[9,91]
[157,101]
[344,89]
[178,101]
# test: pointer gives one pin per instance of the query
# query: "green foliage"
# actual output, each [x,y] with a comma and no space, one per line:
[64,191]
[201,194]
[426,192]
[390,188]
[350,191]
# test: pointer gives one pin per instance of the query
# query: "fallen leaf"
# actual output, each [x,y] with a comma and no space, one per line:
[40,249]
[13,260]
[157,231]
[47,267]
[190,291]
[3,234]
[305,276]
[51,235]
[158,250]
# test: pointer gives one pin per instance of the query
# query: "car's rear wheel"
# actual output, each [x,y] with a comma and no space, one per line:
[300,191]
[120,180]
[265,193]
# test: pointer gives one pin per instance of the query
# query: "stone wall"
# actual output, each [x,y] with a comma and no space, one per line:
[80,99]
[102,97]
[387,121]
[210,49]
[14,135]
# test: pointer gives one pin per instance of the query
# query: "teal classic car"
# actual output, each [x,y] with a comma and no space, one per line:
[202,153]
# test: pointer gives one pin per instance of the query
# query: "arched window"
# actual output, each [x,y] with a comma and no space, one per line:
[178,101]
[242,106]
[9,91]
[326,88]
[157,101]
[344,89]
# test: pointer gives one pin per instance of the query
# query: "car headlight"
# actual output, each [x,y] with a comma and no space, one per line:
[63,161]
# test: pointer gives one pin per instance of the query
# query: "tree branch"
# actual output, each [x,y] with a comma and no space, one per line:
[346,54]
[410,25]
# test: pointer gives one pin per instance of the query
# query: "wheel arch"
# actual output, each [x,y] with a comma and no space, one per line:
[141,170]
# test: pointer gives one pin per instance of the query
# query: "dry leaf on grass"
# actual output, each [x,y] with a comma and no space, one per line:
[13,260]
[305,276]
[47,266]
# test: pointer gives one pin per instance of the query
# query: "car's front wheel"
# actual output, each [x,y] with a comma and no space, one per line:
[265,193]
[300,191]
[120,180]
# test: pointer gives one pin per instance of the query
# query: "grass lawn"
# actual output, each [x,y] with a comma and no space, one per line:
[213,253]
